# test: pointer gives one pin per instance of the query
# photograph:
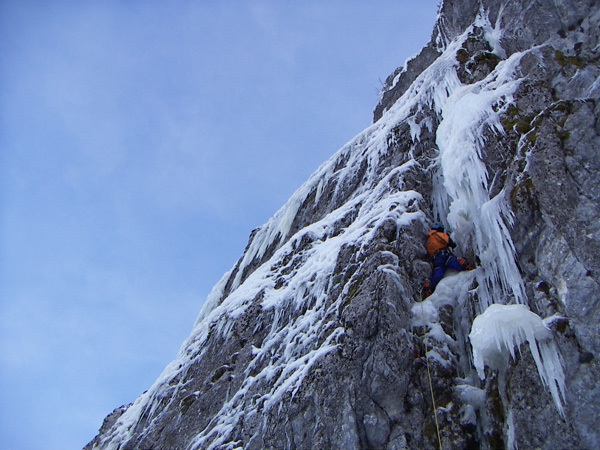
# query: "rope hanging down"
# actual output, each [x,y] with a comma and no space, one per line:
[437,426]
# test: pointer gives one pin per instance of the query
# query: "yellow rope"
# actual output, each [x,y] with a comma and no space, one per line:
[437,426]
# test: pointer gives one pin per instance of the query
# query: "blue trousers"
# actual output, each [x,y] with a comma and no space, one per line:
[442,261]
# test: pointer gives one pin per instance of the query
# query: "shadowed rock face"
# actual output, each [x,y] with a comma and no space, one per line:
[319,338]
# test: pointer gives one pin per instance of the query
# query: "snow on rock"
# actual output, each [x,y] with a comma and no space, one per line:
[502,328]
[291,347]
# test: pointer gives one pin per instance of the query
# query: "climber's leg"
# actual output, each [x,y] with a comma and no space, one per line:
[436,276]
[458,264]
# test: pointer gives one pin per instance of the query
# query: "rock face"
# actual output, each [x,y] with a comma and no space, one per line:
[319,336]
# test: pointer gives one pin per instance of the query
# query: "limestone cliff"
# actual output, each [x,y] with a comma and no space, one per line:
[319,336]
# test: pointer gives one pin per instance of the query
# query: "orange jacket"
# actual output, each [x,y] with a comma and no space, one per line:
[438,240]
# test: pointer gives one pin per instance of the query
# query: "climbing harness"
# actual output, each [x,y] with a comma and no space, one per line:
[437,425]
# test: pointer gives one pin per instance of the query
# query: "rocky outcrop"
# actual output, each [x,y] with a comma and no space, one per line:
[319,336]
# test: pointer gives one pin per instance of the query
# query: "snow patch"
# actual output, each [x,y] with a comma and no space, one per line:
[492,33]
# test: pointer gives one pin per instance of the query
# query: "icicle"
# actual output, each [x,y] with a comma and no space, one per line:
[501,328]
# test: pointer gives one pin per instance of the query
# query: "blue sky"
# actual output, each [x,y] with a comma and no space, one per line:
[140,143]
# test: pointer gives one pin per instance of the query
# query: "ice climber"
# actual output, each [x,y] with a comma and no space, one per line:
[439,249]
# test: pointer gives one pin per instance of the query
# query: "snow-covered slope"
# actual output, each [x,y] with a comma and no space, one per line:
[319,338]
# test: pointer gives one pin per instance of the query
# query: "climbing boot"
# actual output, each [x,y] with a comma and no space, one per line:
[464,263]
[426,291]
